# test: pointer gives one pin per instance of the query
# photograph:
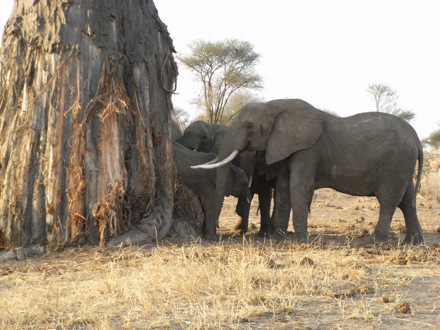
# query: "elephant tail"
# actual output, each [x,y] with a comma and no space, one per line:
[420,168]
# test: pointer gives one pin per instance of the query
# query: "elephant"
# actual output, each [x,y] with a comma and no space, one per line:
[202,136]
[206,137]
[176,132]
[202,182]
[367,154]
[264,185]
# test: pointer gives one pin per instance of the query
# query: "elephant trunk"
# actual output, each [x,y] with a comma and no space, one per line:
[228,146]
[221,182]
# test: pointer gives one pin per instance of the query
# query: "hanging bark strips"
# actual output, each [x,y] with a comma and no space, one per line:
[85,107]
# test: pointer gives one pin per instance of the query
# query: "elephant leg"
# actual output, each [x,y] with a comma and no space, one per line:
[390,196]
[300,200]
[382,230]
[302,181]
[282,205]
[209,225]
[408,206]
[264,199]
[242,209]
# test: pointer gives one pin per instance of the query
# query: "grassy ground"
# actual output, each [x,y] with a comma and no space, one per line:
[335,282]
[229,285]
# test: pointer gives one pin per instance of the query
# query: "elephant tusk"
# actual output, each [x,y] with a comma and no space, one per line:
[248,201]
[211,161]
[250,181]
[221,163]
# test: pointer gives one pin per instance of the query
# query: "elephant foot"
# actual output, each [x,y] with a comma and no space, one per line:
[266,232]
[263,233]
[377,241]
[413,239]
[380,238]
[240,227]
[301,238]
[279,235]
[210,237]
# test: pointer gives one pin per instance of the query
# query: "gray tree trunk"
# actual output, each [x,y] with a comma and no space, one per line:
[85,107]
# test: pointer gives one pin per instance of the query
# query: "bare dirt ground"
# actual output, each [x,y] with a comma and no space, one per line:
[337,281]
[340,224]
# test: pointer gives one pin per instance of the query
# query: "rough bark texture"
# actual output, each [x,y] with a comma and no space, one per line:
[85,106]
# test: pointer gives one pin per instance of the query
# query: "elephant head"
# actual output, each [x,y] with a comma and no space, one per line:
[236,184]
[202,136]
[281,127]
[202,183]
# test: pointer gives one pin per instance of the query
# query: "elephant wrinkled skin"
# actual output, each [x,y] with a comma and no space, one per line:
[206,137]
[368,154]
[202,182]
[202,136]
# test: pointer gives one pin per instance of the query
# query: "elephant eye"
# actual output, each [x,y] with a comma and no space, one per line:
[249,126]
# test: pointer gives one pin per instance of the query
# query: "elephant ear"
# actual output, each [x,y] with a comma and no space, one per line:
[293,130]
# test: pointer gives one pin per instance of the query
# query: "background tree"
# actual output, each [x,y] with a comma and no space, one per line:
[223,67]
[181,117]
[85,108]
[385,100]
[433,140]
[236,102]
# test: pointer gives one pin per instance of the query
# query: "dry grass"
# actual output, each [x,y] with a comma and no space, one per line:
[335,282]
[430,187]
[224,285]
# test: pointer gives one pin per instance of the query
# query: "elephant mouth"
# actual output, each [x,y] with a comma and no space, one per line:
[249,146]
[255,146]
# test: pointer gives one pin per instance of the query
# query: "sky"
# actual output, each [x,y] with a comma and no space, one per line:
[324,52]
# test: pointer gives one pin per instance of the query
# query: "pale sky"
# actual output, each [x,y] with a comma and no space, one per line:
[325,52]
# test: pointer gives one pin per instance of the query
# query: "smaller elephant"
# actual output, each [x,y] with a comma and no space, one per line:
[206,137]
[263,184]
[202,182]
[202,136]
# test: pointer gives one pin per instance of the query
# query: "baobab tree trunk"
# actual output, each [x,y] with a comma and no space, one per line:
[85,106]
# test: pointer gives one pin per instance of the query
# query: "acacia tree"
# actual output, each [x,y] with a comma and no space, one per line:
[223,67]
[85,106]
[434,139]
[385,100]
[236,102]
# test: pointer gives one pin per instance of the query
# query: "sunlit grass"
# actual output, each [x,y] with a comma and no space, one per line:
[199,286]
[335,282]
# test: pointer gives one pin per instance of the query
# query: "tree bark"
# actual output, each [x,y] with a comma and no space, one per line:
[85,108]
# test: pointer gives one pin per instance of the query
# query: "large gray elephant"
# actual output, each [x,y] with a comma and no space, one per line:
[368,154]
[206,137]
[202,182]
